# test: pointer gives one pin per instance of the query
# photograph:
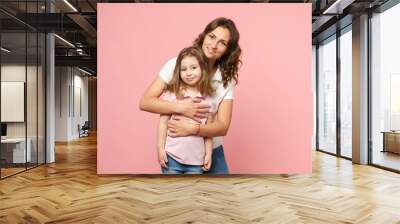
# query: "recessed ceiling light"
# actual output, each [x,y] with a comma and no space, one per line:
[337,7]
[84,71]
[5,50]
[70,5]
[64,40]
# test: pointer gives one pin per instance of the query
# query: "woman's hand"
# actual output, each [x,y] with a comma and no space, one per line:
[162,158]
[178,127]
[207,162]
[193,109]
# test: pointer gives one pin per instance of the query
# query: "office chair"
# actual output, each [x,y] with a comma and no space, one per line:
[84,130]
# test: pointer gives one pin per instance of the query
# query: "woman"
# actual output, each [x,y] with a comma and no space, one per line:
[220,43]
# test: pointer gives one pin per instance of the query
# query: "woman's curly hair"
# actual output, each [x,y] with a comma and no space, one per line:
[229,62]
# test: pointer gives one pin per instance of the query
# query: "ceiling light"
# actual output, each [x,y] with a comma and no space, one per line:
[337,7]
[5,50]
[70,5]
[64,40]
[84,71]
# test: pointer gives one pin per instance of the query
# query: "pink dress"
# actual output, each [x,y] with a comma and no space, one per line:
[188,150]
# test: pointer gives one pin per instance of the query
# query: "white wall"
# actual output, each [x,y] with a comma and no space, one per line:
[79,117]
[62,81]
[16,73]
[71,93]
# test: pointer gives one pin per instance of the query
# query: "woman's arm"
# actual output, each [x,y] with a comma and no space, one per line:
[219,127]
[161,139]
[150,102]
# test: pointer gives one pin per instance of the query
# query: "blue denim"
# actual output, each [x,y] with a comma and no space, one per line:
[218,165]
[175,167]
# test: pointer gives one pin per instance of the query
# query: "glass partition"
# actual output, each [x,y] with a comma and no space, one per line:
[32,95]
[41,86]
[13,103]
[22,88]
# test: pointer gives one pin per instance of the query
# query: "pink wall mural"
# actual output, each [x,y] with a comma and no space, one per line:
[272,124]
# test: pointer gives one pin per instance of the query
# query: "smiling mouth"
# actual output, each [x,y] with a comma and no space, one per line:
[210,51]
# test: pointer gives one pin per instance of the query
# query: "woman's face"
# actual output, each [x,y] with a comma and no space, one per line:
[215,43]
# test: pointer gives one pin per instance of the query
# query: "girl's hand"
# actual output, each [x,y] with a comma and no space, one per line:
[162,158]
[207,162]
[178,127]
[193,109]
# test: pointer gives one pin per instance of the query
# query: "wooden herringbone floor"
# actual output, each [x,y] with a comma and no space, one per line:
[70,191]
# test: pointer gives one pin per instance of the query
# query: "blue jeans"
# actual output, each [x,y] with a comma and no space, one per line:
[218,165]
[175,167]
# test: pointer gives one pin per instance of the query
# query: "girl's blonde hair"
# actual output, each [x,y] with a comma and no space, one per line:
[176,85]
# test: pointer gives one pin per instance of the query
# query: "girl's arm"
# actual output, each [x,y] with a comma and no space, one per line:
[150,102]
[161,139]
[219,127]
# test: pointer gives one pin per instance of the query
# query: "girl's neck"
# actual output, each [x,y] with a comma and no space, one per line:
[191,90]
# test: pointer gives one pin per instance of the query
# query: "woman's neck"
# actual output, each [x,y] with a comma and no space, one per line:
[213,66]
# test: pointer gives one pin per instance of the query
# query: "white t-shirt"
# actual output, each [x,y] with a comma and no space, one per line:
[221,93]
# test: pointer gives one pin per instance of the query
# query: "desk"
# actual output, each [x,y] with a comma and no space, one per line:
[391,141]
[15,148]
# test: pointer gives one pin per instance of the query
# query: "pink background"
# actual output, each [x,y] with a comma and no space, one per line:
[271,129]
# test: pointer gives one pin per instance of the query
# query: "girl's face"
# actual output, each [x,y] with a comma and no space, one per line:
[190,71]
[215,43]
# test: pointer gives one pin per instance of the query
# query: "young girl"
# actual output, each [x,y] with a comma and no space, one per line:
[190,154]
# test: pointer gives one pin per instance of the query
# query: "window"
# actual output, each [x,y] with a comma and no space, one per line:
[385,88]
[327,95]
[346,92]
